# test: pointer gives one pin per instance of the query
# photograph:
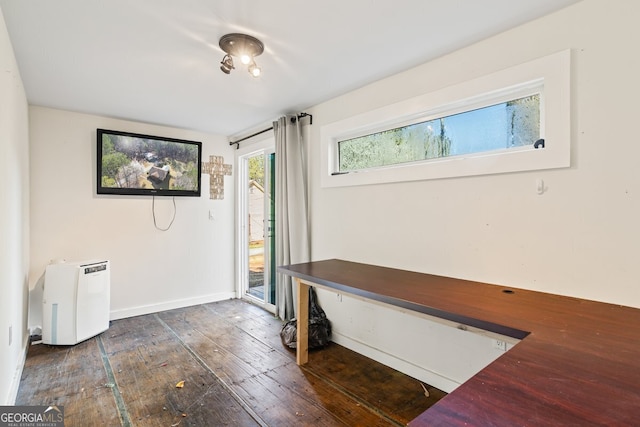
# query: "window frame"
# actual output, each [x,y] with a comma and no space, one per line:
[549,76]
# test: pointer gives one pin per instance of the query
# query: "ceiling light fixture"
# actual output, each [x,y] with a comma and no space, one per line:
[241,46]
[227,64]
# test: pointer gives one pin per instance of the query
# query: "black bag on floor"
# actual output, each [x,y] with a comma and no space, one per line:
[319,326]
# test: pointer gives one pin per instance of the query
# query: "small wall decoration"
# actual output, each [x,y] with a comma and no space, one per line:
[216,169]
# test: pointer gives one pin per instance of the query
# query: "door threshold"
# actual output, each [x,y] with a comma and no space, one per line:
[260,303]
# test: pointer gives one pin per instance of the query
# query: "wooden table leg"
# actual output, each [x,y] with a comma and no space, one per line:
[302,331]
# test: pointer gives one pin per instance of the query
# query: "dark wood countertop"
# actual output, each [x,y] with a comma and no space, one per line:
[578,363]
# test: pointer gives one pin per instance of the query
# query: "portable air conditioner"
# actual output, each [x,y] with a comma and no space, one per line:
[75,301]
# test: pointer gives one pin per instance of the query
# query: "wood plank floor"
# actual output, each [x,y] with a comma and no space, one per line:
[236,372]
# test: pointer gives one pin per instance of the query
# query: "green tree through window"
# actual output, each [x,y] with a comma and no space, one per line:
[497,127]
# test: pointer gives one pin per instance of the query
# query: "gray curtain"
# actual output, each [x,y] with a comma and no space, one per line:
[292,224]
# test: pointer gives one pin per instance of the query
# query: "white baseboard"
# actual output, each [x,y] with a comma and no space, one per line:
[15,382]
[169,305]
[421,374]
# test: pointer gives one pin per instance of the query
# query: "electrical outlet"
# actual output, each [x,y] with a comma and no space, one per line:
[500,345]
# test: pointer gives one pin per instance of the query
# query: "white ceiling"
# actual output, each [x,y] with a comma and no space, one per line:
[157,61]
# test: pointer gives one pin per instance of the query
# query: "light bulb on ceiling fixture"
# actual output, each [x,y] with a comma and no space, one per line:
[254,70]
[244,48]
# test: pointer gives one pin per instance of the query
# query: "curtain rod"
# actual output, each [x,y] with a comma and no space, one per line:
[293,120]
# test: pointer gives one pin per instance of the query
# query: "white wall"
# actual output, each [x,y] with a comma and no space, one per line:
[14,219]
[151,270]
[580,238]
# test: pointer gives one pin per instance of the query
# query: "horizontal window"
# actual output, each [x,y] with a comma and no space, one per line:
[512,120]
[503,126]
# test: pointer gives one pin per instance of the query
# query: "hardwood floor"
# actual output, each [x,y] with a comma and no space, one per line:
[236,372]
